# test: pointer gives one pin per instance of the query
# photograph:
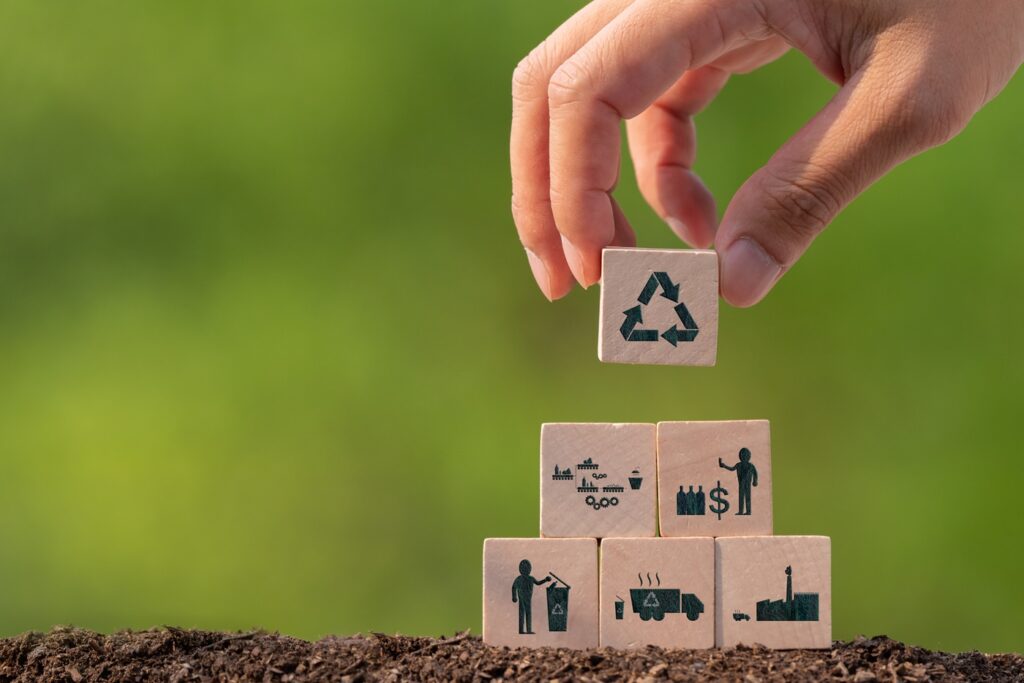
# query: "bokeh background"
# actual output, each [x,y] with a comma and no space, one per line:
[270,354]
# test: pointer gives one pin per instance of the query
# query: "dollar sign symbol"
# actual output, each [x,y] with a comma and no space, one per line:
[719,505]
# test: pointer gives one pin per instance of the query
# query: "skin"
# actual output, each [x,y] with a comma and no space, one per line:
[911,73]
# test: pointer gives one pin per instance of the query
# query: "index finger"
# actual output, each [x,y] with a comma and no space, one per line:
[528,143]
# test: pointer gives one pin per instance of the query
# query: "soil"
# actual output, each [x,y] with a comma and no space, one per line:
[72,655]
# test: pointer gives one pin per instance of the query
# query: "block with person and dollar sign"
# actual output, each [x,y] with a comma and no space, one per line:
[715,478]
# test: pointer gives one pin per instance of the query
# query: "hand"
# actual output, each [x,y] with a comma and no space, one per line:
[912,74]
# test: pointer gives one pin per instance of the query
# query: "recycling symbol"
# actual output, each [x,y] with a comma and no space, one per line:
[651,600]
[557,609]
[634,316]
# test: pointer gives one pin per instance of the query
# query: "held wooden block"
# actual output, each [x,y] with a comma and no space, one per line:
[598,480]
[540,592]
[774,590]
[715,478]
[658,591]
[659,307]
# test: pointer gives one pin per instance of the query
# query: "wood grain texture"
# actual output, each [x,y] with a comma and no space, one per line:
[630,286]
[689,455]
[752,570]
[615,464]
[660,573]
[573,564]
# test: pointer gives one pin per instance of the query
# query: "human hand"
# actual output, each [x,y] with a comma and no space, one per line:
[912,74]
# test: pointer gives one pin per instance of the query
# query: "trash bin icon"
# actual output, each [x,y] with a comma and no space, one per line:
[558,605]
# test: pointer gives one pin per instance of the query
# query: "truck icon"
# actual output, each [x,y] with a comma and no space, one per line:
[655,603]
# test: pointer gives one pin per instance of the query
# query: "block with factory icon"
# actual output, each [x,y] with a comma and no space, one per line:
[774,590]
[658,591]
[715,478]
[659,307]
[598,480]
[541,592]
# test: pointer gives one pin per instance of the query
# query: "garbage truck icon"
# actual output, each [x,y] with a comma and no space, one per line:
[558,604]
[655,603]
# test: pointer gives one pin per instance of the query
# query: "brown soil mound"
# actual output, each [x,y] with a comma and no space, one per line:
[73,655]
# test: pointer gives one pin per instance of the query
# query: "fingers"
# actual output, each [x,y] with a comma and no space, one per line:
[663,144]
[528,145]
[872,124]
[618,74]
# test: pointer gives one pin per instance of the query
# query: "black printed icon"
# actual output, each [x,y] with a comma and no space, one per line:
[558,604]
[597,494]
[690,502]
[746,476]
[562,475]
[719,503]
[654,602]
[795,607]
[634,316]
[740,616]
[522,593]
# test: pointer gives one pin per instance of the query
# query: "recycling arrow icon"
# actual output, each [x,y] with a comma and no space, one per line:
[651,600]
[634,316]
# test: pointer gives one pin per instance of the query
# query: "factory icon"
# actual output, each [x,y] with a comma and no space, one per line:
[795,607]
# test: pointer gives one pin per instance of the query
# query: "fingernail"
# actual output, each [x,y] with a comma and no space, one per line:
[748,272]
[575,261]
[678,227]
[540,273]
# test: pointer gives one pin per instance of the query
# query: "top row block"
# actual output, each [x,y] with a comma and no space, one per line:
[659,307]
[606,480]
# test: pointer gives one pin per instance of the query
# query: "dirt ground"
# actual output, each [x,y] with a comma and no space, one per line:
[74,655]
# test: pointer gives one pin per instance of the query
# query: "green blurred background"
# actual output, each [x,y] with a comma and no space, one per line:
[237,241]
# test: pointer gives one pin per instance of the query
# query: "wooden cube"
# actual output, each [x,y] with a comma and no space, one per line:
[774,590]
[598,480]
[658,591]
[540,592]
[715,478]
[659,307]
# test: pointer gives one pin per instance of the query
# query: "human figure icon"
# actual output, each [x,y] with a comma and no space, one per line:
[522,592]
[746,475]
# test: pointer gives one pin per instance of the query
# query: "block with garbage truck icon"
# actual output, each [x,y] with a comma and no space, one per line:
[541,592]
[658,591]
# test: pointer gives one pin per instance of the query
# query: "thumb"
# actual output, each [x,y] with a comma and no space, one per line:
[871,125]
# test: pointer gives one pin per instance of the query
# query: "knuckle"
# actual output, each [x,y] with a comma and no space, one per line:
[566,84]
[928,121]
[802,207]
[529,76]
[522,215]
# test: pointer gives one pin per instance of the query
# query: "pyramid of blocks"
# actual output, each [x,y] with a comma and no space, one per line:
[657,534]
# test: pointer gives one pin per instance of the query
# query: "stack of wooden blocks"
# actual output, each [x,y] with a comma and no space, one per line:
[657,534]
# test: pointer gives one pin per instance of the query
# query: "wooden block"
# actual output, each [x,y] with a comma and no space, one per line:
[715,478]
[774,590]
[540,592]
[659,307]
[598,480]
[658,591]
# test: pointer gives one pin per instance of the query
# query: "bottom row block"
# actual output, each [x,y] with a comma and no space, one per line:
[669,592]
